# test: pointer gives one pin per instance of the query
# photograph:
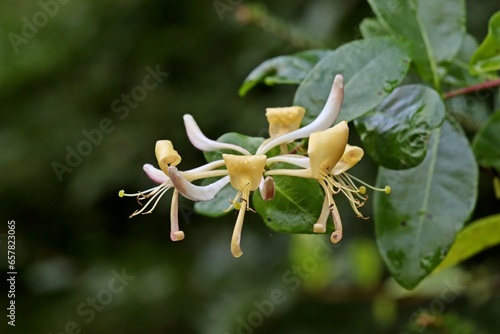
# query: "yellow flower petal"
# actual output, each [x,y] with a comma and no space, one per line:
[327,147]
[166,155]
[245,171]
[284,120]
[352,155]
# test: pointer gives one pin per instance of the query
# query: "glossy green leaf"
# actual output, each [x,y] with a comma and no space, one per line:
[283,70]
[434,29]
[372,68]
[486,144]
[487,56]
[249,143]
[296,205]
[416,224]
[396,133]
[217,206]
[473,239]
[458,74]
[371,27]
[470,112]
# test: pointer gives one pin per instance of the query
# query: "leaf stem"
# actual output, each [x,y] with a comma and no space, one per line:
[473,88]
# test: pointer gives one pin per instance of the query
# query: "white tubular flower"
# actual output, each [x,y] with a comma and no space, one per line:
[330,157]
[168,158]
[324,120]
[296,160]
[201,142]
[193,192]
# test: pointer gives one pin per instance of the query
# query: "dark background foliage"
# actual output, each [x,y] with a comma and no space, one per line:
[72,234]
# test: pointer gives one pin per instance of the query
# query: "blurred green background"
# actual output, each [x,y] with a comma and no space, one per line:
[74,236]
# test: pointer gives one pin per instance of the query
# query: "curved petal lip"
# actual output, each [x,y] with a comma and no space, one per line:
[194,192]
[155,174]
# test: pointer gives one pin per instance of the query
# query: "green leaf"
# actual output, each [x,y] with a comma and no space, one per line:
[458,71]
[217,206]
[416,224]
[470,112]
[486,143]
[434,29]
[396,133]
[296,205]
[473,239]
[249,143]
[487,56]
[372,68]
[371,27]
[283,70]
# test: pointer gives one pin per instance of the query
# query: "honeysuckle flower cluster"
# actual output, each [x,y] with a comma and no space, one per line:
[328,159]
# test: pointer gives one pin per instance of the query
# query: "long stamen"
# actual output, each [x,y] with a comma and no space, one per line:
[158,197]
[353,189]
[175,233]
[350,183]
[386,189]
[359,192]
[354,202]
[122,192]
[158,194]
[323,177]
[234,203]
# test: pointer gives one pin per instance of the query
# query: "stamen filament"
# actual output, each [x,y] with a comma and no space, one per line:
[234,202]
[122,193]
[354,202]
[330,181]
[160,191]
[386,189]
[159,196]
